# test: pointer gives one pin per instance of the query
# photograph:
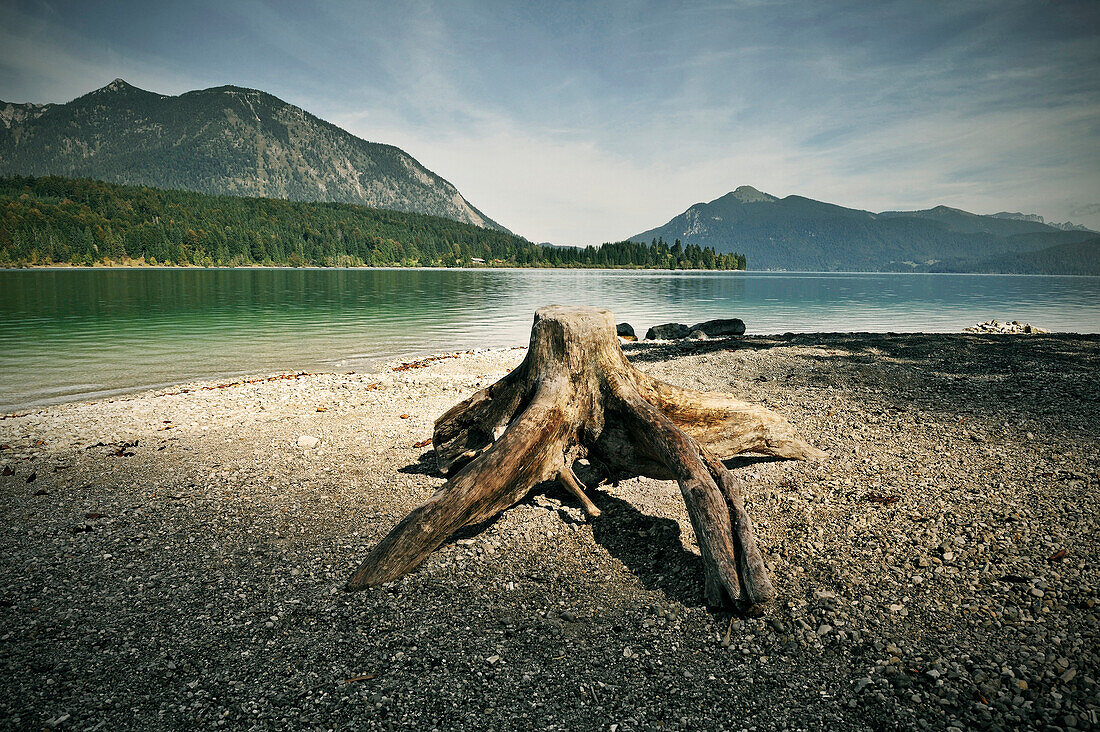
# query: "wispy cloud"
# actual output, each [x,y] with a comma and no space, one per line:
[586,122]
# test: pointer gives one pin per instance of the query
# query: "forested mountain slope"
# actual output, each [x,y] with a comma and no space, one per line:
[61,220]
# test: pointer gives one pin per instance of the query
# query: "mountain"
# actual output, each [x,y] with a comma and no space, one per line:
[225,140]
[798,233]
[1078,258]
[965,222]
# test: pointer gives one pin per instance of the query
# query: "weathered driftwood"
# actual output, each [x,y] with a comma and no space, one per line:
[575,395]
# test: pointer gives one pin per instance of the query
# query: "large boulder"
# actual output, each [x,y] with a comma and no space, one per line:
[626,330]
[667,332]
[722,327]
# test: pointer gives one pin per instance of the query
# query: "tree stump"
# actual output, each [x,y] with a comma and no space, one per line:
[575,395]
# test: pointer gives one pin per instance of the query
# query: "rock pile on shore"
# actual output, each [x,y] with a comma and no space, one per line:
[176,559]
[993,326]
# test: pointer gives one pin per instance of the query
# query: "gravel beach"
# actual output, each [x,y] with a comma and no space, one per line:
[176,559]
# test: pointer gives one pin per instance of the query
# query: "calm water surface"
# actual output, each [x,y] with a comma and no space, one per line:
[81,334]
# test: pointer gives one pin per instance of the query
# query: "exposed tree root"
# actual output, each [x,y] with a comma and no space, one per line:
[575,395]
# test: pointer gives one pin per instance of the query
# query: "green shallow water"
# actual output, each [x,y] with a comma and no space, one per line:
[81,334]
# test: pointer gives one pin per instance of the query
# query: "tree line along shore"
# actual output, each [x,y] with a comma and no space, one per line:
[54,220]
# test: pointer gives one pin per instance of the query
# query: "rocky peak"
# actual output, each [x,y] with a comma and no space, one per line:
[117,85]
[943,210]
[748,194]
[119,88]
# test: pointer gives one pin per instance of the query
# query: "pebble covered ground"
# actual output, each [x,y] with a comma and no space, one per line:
[176,559]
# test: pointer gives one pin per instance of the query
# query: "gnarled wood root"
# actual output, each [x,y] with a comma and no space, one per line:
[575,395]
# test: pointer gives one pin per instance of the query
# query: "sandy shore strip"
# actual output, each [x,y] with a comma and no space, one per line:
[175,559]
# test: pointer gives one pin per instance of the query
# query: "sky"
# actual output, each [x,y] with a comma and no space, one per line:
[578,123]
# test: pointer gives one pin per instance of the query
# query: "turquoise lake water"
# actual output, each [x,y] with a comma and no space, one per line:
[82,334]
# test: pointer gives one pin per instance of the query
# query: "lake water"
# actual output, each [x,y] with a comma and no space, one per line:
[82,334]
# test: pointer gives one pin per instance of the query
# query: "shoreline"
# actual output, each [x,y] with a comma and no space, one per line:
[178,557]
[45,267]
[135,266]
[127,393]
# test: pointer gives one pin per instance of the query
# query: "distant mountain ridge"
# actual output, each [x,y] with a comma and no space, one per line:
[1066,226]
[223,140]
[798,233]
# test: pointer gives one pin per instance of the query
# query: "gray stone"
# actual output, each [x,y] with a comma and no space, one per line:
[667,332]
[697,335]
[626,330]
[722,327]
[308,442]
